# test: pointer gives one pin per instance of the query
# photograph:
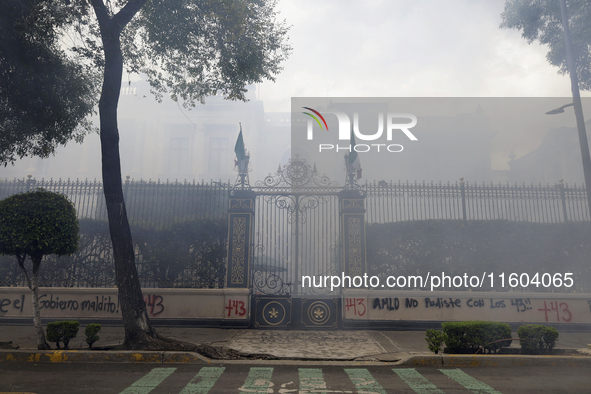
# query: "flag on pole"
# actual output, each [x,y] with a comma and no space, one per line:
[354,161]
[241,158]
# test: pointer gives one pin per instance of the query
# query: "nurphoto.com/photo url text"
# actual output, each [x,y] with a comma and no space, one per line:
[433,282]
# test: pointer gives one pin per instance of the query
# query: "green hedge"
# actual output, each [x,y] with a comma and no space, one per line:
[189,254]
[469,336]
[476,246]
[62,331]
[435,339]
[91,331]
[537,339]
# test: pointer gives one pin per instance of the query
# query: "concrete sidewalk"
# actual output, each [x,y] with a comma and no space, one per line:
[342,345]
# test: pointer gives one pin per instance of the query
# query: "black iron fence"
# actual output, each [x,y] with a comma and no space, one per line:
[156,204]
[180,228]
[179,231]
[150,204]
[397,202]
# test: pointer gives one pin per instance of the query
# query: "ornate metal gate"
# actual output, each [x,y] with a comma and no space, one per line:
[286,235]
[296,234]
[296,230]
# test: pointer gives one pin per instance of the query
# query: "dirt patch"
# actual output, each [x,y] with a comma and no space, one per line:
[7,345]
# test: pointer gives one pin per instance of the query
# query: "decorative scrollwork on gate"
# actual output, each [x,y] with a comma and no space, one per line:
[299,203]
[297,187]
[269,283]
[296,174]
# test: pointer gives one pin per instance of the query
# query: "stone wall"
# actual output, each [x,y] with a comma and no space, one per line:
[101,303]
[360,305]
[232,305]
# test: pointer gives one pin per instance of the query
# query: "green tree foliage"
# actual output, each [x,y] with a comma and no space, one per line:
[189,49]
[196,49]
[45,96]
[541,20]
[35,224]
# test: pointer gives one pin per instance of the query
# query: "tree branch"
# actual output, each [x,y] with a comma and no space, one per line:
[126,14]
[102,14]
[119,20]
[21,262]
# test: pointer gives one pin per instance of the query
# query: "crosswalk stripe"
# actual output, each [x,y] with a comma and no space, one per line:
[364,382]
[148,382]
[417,382]
[469,382]
[203,381]
[312,379]
[258,381]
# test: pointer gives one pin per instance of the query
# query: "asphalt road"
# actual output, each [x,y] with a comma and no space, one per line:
[283,378]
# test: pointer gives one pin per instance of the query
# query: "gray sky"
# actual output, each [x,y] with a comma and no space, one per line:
[403,48]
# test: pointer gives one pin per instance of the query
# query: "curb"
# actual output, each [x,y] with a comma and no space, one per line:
[501,360]
[146,357]
[75,356]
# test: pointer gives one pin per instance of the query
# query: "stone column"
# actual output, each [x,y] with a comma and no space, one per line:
[352,211]
[240,225]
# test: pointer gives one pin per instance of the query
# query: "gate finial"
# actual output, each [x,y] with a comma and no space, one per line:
[241,161]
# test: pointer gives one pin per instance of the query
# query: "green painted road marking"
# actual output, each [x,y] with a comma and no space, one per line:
[258,381]
[312,379]
[147,383]
[203,381]
[468,381]
[364,382]
[417,382]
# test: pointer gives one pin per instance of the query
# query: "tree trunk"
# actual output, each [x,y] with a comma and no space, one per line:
[138,330]
[41,343]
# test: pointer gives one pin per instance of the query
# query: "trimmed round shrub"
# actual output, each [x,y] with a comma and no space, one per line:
[62,331]
[537,338]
